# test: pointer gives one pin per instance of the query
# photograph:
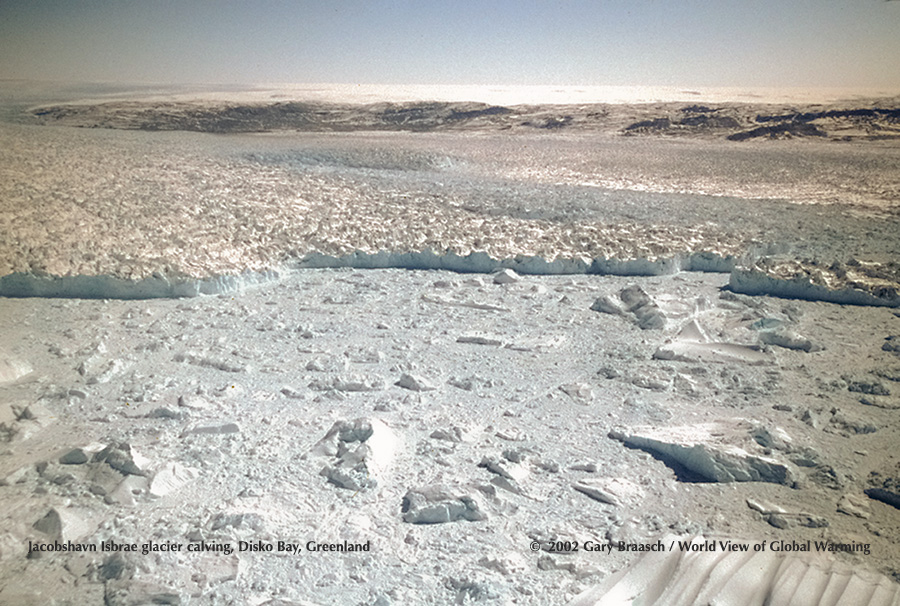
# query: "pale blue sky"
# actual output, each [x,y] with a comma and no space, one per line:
[798,43]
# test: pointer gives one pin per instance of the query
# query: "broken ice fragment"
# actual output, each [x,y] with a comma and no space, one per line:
[361,450]
[702,450]
[438,505]
[118,455]
[414,383]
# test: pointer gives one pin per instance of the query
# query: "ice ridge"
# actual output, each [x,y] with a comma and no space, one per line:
[157,286]
[742,280]
[112,287]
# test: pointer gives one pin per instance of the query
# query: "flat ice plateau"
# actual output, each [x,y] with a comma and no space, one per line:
[474,344]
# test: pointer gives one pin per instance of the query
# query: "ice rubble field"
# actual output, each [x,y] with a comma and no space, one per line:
[511,409]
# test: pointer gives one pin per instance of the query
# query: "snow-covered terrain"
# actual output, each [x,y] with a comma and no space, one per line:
[446,366]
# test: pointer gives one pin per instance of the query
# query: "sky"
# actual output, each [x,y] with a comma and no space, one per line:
[709,43]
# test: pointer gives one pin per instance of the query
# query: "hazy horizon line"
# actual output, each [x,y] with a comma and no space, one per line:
[495,94]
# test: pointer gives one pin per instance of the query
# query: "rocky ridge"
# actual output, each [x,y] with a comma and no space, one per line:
[736,122]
